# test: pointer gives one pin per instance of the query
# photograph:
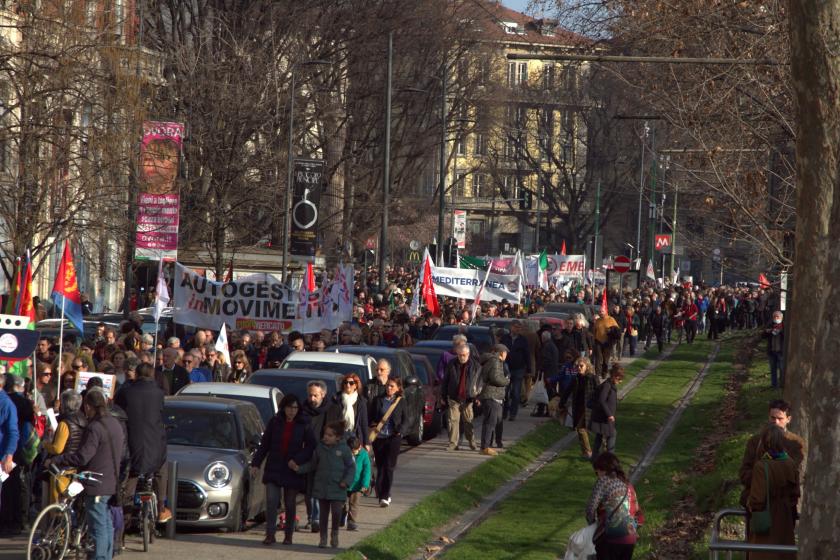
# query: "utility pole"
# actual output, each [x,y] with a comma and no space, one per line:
[641,189]
[597,221]
[666,165]
[674,228]
[442,163]
[386,173]
[651,241]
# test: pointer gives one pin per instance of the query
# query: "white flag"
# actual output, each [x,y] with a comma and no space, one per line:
[651,274]
[161,294]
[676,276]
[222,344]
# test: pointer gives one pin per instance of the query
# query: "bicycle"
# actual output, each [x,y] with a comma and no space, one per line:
[147,498]
[62,525]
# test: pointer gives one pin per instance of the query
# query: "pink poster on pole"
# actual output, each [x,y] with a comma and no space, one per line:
[158,203]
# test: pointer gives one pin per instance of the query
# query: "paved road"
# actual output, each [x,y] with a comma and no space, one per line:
[420,471]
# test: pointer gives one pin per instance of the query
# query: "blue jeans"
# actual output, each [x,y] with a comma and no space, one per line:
[100,526]
[513,393]
[777,367]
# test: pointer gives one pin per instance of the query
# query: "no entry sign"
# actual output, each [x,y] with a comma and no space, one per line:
[621,264]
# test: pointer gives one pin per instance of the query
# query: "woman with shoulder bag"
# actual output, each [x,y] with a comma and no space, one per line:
[581,390]
[388,419]
[354,408]
[614,507]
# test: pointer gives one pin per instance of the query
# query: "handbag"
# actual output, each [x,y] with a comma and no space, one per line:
[762,521]
[378,428]
[601,530]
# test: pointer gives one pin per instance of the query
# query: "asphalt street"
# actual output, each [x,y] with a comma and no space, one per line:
[420,471]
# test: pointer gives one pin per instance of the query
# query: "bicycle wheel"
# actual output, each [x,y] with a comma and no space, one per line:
[147,527]
[85,546]
[50,534]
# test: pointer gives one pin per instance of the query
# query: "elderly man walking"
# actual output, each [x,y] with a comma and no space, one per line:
[460,388]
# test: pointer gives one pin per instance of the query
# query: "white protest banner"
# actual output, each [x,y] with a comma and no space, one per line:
[258,302]
[465,283]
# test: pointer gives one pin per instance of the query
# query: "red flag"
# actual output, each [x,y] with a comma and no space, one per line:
[229,275]
[25,306]
[763,281]
[428,288]
[310,278]
[563,248]
[604,309]
[66,289]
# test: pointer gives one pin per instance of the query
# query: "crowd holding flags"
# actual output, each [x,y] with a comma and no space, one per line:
[20,303]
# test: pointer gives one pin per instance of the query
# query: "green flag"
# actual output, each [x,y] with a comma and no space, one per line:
[543,260]
[473,263]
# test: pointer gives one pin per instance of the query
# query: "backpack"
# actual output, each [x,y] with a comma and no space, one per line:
[620,523]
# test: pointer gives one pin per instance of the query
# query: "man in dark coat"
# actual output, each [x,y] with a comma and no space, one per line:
[170,376]
[461,386]
[320,412]
[656,327]
[775,335]
[99,452]
[142,402]
[518,360]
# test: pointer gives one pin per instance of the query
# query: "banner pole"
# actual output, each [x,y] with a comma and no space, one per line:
[60,346]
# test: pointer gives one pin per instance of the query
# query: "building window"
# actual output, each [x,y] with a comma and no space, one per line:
[482,188]
[475,227]
[484,72]
[460,146]
[568,154]
[480,144]
[459,188]
[570,78]
[568,123]
[517,73]
[548,76]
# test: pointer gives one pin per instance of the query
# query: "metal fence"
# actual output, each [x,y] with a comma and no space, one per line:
[718,545]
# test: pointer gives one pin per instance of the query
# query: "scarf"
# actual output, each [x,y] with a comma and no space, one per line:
[347,402]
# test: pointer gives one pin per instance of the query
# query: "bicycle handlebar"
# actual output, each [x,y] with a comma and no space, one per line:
[87,476]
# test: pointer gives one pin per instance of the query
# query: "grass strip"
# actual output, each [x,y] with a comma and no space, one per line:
[535,521]
[403,536]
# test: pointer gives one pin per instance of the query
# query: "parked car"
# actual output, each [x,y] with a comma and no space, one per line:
[52,328]
[266,399]
[504,323]
[482,337]
[550,317]
[213,440]
[432,417]
[362,365]
[570,308]
[293,381]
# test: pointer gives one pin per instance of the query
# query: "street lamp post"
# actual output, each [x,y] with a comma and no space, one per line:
[288,198]
[641,187]
[442,164]
[386,172]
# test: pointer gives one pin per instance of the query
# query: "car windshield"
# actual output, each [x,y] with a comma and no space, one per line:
[264,405]
[481,338]
[288,385]
[200,428]
[336,367]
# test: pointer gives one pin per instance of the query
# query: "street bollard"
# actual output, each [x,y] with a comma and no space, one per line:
[172,493]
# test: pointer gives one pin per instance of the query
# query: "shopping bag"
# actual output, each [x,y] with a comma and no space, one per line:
[580,545]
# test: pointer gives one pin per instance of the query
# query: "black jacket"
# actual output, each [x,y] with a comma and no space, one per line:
[452,379]
[180,378]
[319,417]
[142,402]
[76,424]
[518,358]
[301,445]
[399,415]
[549,359]
[606,402]
[100,452]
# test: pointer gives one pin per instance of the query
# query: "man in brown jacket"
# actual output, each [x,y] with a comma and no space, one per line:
[794,446]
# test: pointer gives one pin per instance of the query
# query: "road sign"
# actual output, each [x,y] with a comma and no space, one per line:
[371,243]
[621,264]
[662,241]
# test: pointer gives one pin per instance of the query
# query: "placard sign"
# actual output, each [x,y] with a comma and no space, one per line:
[109,382]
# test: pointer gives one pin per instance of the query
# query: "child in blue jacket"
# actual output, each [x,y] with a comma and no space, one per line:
[361,482]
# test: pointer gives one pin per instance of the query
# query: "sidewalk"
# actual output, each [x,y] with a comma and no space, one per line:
[420,471]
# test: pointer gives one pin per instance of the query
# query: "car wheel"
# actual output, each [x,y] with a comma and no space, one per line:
[239,515]
[417,437]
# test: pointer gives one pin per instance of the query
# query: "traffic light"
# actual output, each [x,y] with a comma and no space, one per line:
[527,200]
[450,252]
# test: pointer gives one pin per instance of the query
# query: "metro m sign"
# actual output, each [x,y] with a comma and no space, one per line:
[662,241]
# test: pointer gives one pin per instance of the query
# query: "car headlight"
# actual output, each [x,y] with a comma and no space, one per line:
[217,474]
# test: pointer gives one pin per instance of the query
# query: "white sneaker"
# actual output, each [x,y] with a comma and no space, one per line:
[385,503]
